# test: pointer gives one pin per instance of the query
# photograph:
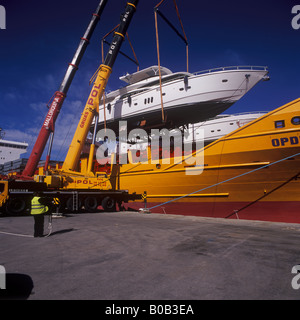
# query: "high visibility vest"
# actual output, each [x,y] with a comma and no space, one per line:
[37,207]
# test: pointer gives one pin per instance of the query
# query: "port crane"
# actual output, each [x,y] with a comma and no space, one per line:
[74,188]
[47,130]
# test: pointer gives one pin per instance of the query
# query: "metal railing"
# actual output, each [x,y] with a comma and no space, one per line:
[252,68]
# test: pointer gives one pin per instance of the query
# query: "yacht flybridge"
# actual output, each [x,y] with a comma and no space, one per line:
[187,97]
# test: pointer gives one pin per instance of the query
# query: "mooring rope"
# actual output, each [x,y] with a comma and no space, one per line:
[230,179]
[16,234]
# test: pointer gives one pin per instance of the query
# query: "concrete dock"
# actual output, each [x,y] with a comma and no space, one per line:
[134,256]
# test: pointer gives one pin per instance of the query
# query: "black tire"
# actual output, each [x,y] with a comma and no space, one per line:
[90,204]
[16,206]
[108,204]
[69,204]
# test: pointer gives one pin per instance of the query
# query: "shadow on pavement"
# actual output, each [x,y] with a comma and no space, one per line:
[18,287]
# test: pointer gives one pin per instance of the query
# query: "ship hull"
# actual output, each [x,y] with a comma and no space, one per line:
[285,211]
[251,173]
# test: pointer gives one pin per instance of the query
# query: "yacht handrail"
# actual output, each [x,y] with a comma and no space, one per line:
[243,113]
[259,68]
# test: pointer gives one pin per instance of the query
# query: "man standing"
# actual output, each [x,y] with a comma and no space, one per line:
[39,207]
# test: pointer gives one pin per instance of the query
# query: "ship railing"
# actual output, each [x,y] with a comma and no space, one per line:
[243,113]
[252,68]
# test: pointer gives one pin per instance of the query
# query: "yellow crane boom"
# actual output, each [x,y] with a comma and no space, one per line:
[91,109]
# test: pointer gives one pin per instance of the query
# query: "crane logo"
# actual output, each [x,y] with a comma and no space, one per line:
[2,18]
[2,278]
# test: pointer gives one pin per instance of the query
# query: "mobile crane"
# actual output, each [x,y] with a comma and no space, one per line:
[72,188]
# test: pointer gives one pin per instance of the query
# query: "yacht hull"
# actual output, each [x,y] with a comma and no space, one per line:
[174,116]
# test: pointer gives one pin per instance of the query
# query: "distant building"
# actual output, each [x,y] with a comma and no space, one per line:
[10,150]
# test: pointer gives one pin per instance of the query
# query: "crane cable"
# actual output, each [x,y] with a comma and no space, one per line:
[159,68]
[102,54]
[158,51]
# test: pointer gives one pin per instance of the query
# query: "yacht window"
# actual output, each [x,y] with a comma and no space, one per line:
[212,131]
[296,120]
[148,100]
[224,80]
[109,107]
[279,124]
[145,101]
[151,99]
[231,123]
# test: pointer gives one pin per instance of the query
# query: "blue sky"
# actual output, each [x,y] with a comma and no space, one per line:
[41,37]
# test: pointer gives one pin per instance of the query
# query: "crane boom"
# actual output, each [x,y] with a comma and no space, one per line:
[73,190]
[92,106]
[59,96]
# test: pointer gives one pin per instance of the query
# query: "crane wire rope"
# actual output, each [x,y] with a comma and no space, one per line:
[158,49]
[70,126]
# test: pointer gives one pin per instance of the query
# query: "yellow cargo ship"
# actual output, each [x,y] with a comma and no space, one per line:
[250,173]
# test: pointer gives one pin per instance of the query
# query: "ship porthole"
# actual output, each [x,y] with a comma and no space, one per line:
[296,120]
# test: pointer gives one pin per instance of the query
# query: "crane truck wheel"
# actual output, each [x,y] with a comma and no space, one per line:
[69,204]
[108,204]
[91,204]
[16,206]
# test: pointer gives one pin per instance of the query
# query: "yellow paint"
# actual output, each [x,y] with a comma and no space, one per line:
[90,110]
[241,151]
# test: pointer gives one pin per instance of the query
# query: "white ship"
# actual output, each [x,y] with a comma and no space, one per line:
[187,97]
[220,126]
[10,150]
[213,129]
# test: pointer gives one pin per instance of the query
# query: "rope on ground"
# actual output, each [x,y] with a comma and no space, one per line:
[230,179]
[16,234]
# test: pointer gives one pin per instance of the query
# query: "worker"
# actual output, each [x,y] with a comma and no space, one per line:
[39,207]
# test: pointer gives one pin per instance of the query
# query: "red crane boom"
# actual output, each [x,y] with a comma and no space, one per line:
[47,129]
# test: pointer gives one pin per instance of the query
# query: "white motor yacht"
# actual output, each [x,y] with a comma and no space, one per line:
[187,97]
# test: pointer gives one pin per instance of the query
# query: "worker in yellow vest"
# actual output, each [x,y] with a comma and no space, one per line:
[39,207]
